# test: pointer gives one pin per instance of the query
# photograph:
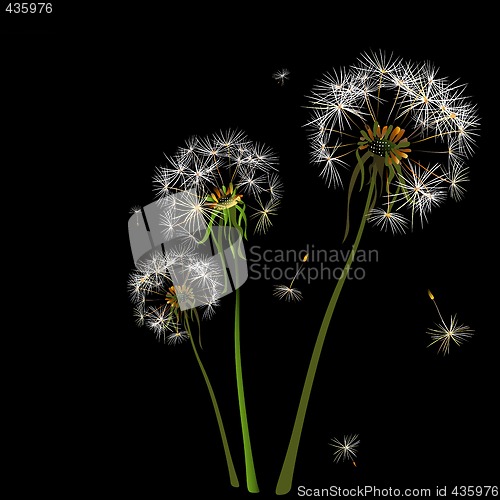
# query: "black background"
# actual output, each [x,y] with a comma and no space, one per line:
[117,411]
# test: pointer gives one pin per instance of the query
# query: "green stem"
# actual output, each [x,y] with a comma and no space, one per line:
[285,480]
[230,466]
[247,448]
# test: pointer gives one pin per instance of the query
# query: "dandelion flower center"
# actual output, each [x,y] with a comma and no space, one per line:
[387,142]
[380,146]
[178,295]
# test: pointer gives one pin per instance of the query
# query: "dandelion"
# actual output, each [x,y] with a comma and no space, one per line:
[233,179]
[225,180]
[281,75]
[404,134]
[163,305]
[391,119]
[444,334]
[345,449]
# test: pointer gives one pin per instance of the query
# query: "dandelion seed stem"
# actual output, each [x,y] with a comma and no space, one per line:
[247,448]
[286,476]
[439,312]
[296,274]
[230,466]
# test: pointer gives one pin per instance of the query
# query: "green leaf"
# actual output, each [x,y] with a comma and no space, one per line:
[391,174]
[362,180]
[359,167]
[242,218]
[365,135]
[209,229]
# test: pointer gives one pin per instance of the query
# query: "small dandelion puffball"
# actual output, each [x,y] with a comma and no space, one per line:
[444,334]
[234,179]
[158,301]
[281,75]
[413,128]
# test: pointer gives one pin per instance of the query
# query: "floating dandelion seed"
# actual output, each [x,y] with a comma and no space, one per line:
[288,292]
[444,333]
[281,76]
[403,133]
[346,449]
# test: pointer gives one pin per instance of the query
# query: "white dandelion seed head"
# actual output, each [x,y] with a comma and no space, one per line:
[139,314]
[210,308]
[401,116]
[200,172]
[251,182]
[387,219]
[176,337]
[166,281]
[231,141]
[334,99]
[457,174]
[263,214]
[169,223]
[326,157]
[281,75]
[189,149]
[161,322]
[261,157]
[444,334]
[422,189]
[378,64]
[219,171]
[275,186]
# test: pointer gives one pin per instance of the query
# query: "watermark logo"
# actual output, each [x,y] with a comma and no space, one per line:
[286,264]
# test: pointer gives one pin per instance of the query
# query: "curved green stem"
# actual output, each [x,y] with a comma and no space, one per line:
[230,466]
[285,480]
[247,448]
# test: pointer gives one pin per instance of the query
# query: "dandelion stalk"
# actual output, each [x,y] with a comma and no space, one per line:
[230,466]
[285,480]
[158,306]
[247,447]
